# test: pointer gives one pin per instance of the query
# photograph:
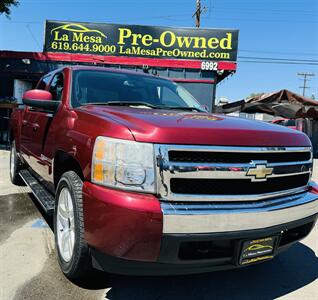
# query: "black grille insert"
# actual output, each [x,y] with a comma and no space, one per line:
[234,157]
[236,186]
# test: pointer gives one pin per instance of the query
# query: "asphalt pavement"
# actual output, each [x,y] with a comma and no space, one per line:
[29,269]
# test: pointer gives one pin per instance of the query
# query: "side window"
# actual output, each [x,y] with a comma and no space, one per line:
[57,85]
[43,82]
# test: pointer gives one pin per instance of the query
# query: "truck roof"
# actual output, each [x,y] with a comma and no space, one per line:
[106,69]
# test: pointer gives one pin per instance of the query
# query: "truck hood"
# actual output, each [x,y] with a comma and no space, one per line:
[179,127]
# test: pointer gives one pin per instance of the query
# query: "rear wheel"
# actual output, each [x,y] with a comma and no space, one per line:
[15,165]
[72,249]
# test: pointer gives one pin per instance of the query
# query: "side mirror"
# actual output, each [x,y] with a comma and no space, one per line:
[40,99]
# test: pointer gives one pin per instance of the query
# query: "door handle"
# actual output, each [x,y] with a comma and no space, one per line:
[24,122]
[35,126]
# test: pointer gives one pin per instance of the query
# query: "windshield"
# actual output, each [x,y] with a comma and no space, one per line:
[106,87]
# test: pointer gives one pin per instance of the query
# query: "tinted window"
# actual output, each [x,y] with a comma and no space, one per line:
[57,85]
[106,86]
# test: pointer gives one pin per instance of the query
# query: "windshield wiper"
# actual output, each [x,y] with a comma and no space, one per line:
[141,103]
[123,103]
[131,103]
[188,108]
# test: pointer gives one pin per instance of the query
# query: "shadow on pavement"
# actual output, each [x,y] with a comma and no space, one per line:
[285,274]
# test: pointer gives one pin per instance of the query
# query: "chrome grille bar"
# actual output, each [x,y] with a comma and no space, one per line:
[235,149]
[235,171]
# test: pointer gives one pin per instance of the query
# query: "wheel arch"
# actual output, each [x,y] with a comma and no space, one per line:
[64,162]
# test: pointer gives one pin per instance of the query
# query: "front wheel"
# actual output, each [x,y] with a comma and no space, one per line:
[72,249]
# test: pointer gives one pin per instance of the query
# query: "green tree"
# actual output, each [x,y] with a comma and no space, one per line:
[5,6]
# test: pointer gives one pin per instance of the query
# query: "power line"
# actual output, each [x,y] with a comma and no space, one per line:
[278,62]
[33,36]
[265,10]
[279,52]
[279,59]
[285,20]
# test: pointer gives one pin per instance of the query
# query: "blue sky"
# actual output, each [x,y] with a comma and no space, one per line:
[286,29]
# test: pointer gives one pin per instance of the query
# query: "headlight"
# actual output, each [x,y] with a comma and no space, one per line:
[123,164]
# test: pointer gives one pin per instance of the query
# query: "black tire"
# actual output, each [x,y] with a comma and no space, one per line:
[15,166]
[79,266]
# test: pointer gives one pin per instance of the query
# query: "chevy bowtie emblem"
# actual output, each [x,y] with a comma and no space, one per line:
[259,171]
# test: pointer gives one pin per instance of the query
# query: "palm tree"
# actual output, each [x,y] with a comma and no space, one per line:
[5,6]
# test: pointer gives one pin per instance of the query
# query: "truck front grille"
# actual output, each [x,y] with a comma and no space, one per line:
[212,173]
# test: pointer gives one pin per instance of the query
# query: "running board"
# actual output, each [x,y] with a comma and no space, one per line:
[46,200]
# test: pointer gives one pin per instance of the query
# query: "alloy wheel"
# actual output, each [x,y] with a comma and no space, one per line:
[65,225]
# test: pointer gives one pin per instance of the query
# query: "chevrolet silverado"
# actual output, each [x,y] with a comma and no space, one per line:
[141,179]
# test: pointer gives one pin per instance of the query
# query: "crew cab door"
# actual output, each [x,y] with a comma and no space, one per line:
[30,125]
[35,128]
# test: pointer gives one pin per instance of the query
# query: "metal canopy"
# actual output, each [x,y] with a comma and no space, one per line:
[283,103]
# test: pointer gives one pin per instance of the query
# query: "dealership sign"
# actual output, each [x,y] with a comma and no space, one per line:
[141,41]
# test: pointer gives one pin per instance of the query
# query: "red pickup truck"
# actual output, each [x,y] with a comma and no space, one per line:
[140,179]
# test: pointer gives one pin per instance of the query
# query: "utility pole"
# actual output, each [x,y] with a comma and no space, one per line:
[198,14]
[305,75]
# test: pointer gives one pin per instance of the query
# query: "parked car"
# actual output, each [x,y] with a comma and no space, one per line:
[290,123]
[310,127]
[141,180]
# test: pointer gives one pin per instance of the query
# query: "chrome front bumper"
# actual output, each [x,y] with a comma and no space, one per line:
[203,217]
